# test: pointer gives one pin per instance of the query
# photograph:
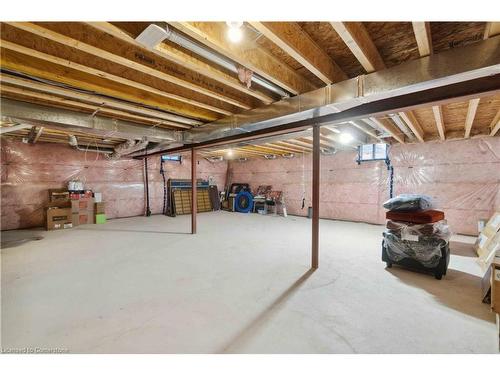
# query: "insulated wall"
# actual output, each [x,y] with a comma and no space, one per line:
[463,176]
[28,171]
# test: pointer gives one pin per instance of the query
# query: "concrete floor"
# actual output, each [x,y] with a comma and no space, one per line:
[242,285]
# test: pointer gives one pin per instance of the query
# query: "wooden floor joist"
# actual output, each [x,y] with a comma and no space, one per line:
[357,39]
[182,58]
[114,58]
[412,122]
[438,118]
[213,35]
[422,31]
[495,124]
[33,96]
[389,127]
[471,114]
[33,67]
[290,37]
[174,120]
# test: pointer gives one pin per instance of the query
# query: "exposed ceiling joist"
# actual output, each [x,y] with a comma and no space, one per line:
[471,114]
[174,120]
[389,127]
[364,129]
[357,39]
[24,66]
[451,77]
[492,29]
[213,35]
[495,124]
[439,119]
[13,128]
[422,31]
[117,59]
[63,119]
[38,134]
[182,58]
[92,108]
[290,37]
[412,122]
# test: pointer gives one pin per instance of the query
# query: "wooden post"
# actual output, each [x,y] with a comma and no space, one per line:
[315,197]
[194,185]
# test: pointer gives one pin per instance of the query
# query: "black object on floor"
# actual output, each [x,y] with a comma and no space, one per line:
[439,270]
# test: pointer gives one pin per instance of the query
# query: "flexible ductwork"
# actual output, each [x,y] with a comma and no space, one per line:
[154,34]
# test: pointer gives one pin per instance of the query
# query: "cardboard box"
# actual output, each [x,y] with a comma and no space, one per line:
[495,285]
[100,218]
[99,208]
[58,195]
[59,218]
[487,242]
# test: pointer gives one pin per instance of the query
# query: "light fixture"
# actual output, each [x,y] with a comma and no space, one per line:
[289,155]
[229,152]
[234,32]
[345,138]
[270,156]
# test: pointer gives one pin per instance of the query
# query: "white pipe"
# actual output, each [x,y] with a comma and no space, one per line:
[8,129]
[154,34]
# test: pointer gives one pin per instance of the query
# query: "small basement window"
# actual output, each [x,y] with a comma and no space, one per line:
[177,158]
[371,152]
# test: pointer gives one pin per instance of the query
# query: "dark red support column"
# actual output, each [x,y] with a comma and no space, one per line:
[194,185]
[315,197]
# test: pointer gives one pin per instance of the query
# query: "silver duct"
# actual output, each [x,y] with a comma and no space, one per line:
[478,60]
[73,142]
[154,34]
[128,147]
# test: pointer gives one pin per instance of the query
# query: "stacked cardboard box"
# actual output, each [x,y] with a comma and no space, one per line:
[82,208]
[58,210]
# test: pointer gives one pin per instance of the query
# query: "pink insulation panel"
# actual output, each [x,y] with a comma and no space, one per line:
[28,171]
[462,176]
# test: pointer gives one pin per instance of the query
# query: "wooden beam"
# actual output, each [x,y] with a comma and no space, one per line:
[438,117]
[290,37]
[38,134]
[213,35]
[412,122]
[422,31]
[130,31]
[491,29]
[49,71]
[357,39]
[177,121]
[57,101]
[389,127]
[316,168]
[13,128]
[194,191]
[471,114]
[495,124]
[117,59]
[365,130]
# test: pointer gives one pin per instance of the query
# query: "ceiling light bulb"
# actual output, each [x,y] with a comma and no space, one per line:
[345,138]
[234,34]
[229,152]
